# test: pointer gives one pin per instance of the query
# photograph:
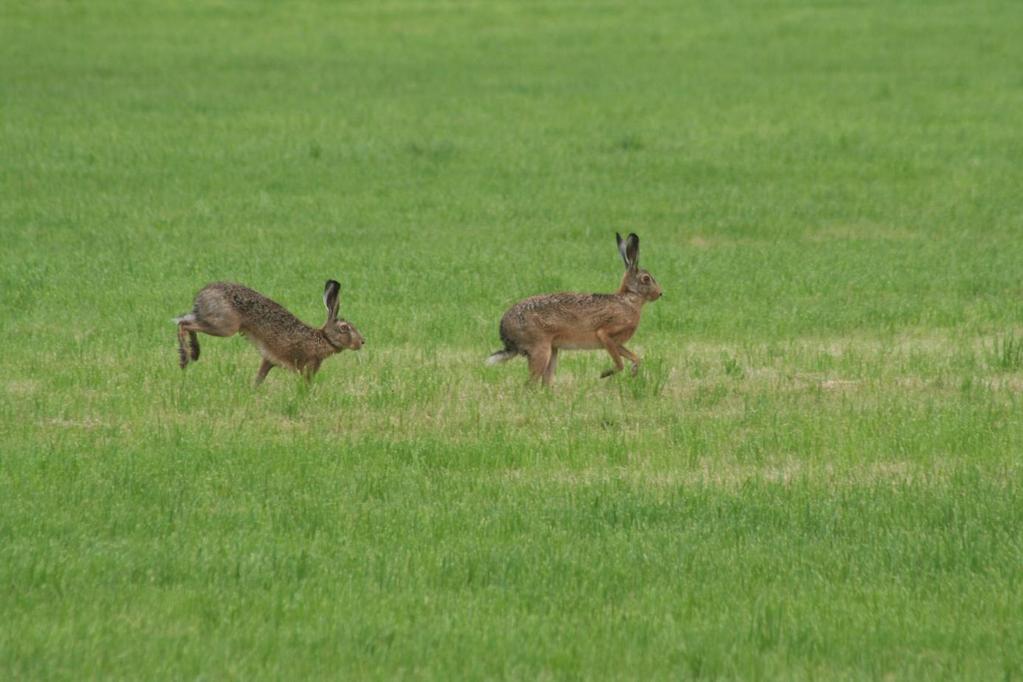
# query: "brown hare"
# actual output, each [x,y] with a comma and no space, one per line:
[224,309]
[540,326]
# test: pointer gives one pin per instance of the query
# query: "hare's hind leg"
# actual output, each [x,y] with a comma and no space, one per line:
[188,342]
[183,353]
[188,339]
[539,359]
[552,365]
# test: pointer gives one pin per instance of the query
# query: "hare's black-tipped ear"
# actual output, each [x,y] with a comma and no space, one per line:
[331,293]
[632,252]
[621,249]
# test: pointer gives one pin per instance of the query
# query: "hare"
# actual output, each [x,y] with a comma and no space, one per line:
[224,309]
[540,326]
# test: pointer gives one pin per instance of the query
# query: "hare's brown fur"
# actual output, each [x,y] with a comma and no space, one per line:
[225,309]
[540,326]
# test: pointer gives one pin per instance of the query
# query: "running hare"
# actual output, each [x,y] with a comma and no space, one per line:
[224,309]
[540,326]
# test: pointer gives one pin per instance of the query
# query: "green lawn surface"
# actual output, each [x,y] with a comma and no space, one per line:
[817,473]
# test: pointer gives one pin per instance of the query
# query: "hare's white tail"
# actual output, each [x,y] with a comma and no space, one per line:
[501,356]
[188,317]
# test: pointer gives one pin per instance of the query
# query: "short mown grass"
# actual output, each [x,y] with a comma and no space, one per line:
[815,474]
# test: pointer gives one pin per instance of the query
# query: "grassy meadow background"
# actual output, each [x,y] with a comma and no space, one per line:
[816,475]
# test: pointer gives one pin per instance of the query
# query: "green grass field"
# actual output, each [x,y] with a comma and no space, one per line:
[818,473]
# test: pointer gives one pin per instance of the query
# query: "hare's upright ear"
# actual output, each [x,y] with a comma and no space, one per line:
[632,251]
[629,248]
[331,293]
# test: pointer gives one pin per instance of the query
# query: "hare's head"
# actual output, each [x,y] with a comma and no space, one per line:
[340,333]
[636,281]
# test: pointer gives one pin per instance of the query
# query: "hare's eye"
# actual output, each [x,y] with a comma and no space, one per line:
[344,327]
[646,279]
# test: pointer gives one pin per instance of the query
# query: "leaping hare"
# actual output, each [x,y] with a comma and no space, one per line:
[224,309]
[540,326]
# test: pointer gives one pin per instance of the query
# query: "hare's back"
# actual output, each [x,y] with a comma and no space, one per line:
[567,310]
[245,309]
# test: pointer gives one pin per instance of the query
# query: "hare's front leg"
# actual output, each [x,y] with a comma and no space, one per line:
[310,370]
[632,357]
[612,348]
[264,369]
